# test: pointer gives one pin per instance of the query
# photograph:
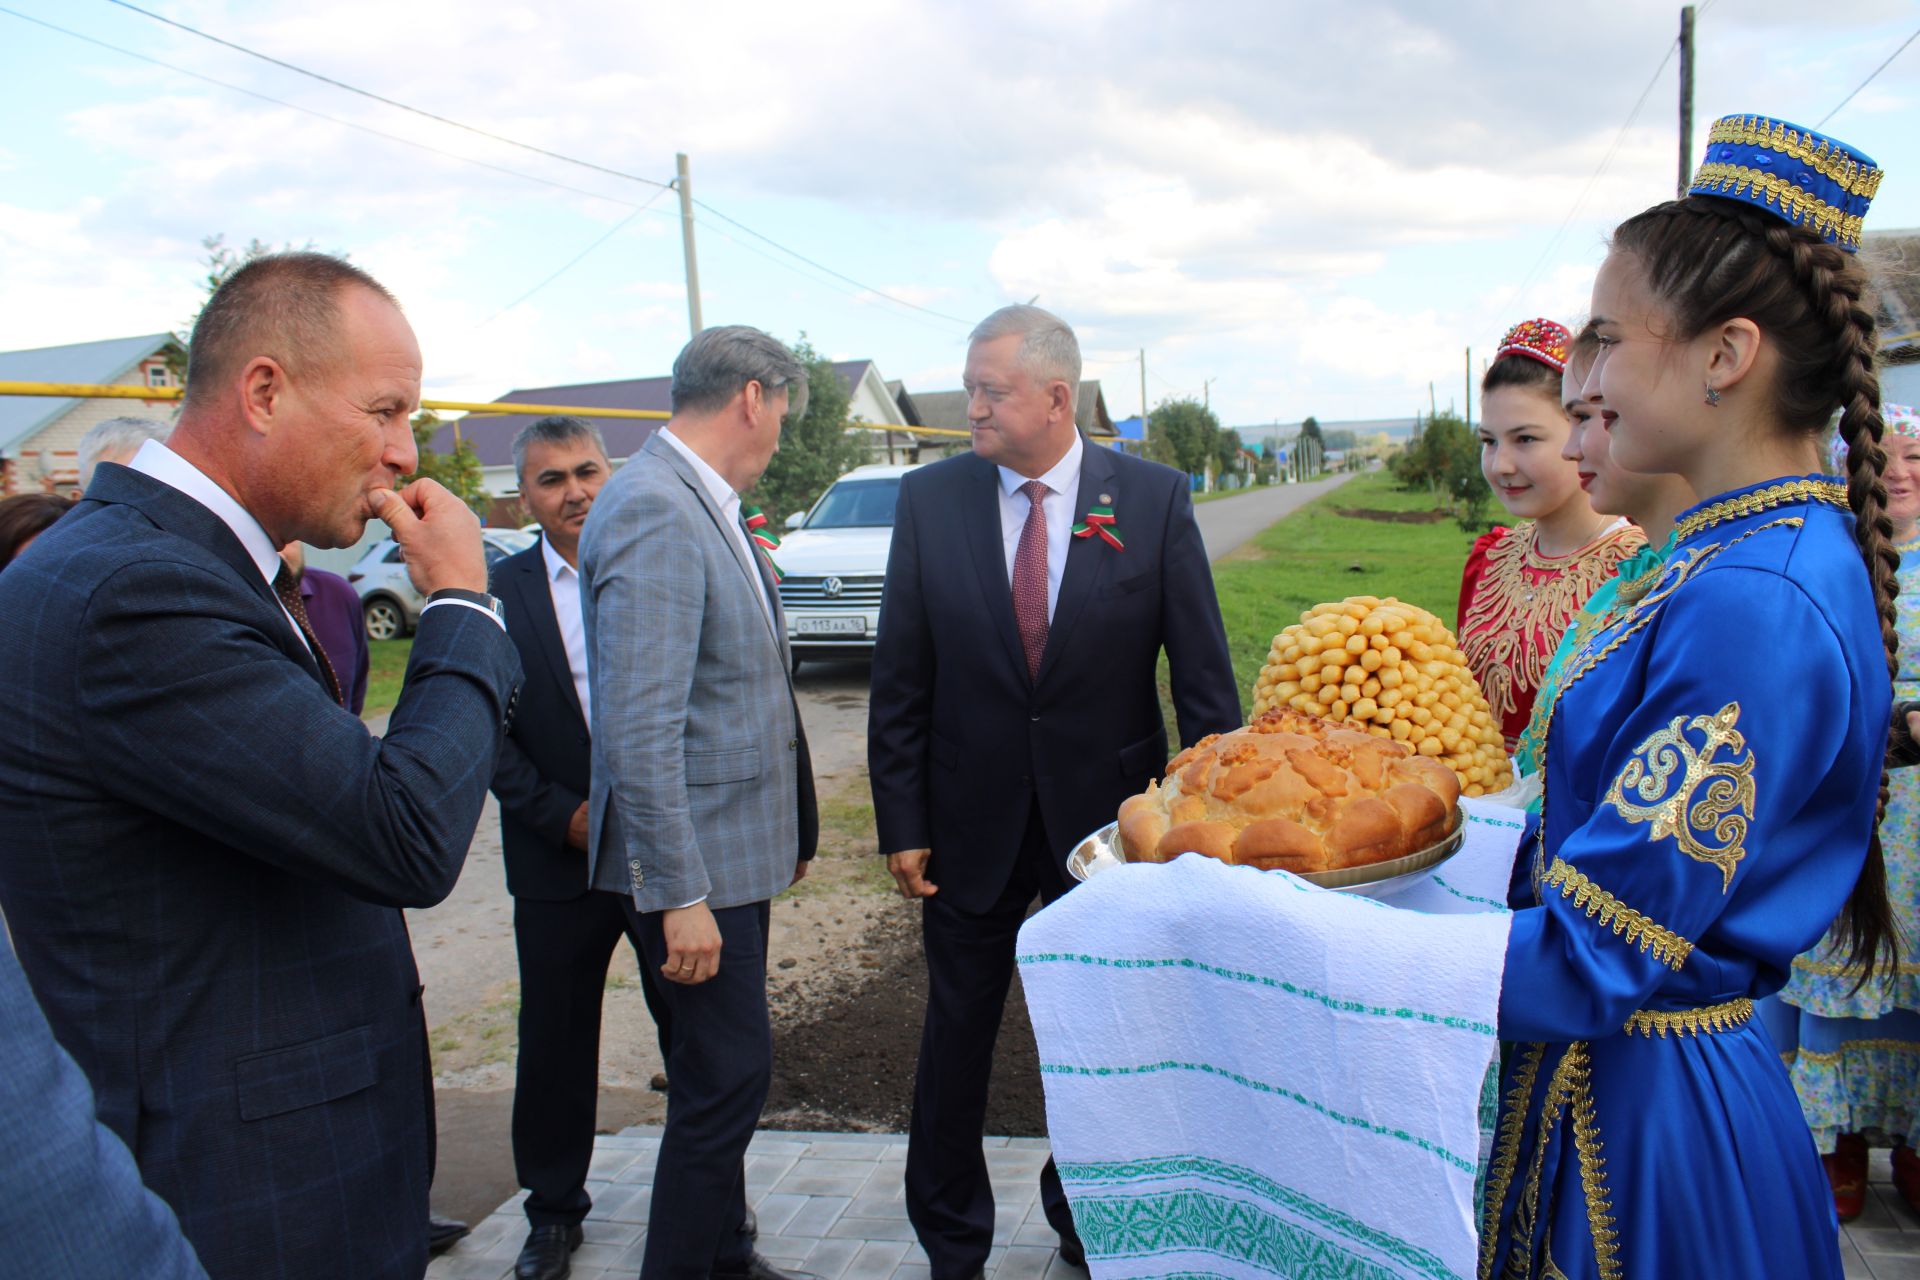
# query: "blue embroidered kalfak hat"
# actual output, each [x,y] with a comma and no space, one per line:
[1804,177]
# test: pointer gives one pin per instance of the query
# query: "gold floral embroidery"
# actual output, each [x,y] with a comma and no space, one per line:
[1835,969]
[1593,1168]
[1506,1153]
[1712,798]
[1796,203]
[1526,1212]
[1825,159]
[1691,1022]
[1524,597]
[1666,946]
[1787,493]
[1852,1046]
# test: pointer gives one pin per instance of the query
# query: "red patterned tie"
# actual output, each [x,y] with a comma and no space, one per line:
[287,587]
[1030,578]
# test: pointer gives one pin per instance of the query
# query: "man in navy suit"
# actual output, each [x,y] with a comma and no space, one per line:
[1030,589]
[206,852]
[564,930]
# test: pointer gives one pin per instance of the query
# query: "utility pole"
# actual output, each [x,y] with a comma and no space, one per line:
[1686,102]
[1143,400]
[1469,388]
[684,184]
[1206,392]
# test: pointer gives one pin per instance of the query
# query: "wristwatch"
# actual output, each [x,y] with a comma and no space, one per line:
[478,599]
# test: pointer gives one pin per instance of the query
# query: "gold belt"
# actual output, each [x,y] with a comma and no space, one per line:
[1691,1022]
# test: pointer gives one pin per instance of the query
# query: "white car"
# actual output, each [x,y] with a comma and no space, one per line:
[387,597]
[833,561]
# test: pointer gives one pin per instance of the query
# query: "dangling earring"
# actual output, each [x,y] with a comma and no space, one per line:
[1713,394]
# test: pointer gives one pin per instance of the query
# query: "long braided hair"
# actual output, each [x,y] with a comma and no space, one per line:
[1711,260]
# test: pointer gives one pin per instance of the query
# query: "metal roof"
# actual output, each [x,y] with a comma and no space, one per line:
[23,417]
[491,435]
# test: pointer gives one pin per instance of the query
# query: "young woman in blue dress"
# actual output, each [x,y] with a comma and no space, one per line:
[1714,762]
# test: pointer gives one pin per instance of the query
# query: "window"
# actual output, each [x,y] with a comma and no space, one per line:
[156,375]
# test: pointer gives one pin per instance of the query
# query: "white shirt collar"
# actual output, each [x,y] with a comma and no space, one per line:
[169,468]
[556,564]
[1056,477]
[717,487]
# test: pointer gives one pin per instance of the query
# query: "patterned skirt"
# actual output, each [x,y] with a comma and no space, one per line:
[1855,1055]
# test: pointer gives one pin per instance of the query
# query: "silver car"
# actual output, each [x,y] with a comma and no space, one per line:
[387,597]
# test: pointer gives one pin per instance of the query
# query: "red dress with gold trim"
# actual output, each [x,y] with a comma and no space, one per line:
[1515,604]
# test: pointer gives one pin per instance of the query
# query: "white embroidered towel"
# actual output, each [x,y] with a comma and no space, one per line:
[1249,1076]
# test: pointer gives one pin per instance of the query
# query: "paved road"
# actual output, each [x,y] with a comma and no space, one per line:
[1228,522]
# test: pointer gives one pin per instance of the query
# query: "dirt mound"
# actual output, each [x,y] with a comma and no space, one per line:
[1391,517]
[843,1055]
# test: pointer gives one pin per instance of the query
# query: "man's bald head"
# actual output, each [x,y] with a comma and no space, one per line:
[285,306]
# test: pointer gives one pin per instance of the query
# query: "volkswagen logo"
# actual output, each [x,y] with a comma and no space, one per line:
[832,588]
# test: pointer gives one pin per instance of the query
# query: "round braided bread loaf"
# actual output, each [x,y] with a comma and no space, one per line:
[1294,792]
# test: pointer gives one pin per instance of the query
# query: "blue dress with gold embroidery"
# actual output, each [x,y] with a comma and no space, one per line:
[1711,767]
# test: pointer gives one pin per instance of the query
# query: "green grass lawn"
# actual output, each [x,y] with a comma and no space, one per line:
[1316,555]
[387,665]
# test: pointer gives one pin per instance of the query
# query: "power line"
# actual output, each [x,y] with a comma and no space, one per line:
[1869,80]
[318,115]
[817,265]
[1605,160]
[543,151]
[367,93]
[575,260]
[859,294]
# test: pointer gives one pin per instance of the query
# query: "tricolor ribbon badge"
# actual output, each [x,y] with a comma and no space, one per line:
[763,537]
[1099,520]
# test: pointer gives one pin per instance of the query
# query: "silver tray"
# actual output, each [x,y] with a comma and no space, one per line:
[1101,851]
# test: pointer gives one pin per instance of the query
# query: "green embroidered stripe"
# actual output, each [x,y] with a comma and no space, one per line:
[1469,897]
[1334,1003]
[1469,1167]
[1239,1177]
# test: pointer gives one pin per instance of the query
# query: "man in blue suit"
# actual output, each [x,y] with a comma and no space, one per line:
[56,1156]
[206,853]
[1031,587]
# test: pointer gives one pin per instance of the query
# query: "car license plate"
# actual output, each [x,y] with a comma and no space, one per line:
[829,626]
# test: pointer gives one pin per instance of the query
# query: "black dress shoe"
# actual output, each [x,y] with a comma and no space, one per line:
[1072,1252]
[758,1268]
[443,1232]
[544,1255]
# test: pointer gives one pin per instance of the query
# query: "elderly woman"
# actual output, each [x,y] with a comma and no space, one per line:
[1855,1049]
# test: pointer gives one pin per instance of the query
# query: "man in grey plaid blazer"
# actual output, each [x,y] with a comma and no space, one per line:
[701,805]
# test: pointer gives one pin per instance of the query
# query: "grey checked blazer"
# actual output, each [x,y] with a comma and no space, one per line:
[699,768]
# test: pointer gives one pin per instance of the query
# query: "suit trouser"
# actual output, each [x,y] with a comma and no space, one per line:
[969,969]
[719,1067]
[564,951]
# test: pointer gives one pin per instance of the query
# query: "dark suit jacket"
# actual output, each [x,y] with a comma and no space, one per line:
[204,861]
[959,736]
[547,759]
[340,625]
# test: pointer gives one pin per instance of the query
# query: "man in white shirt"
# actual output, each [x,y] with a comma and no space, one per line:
[564,930]
[207,853]
[701,806]
[1032,585]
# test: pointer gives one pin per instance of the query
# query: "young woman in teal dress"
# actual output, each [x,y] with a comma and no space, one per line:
[1853,1048]
[1652,503]
[1715,758]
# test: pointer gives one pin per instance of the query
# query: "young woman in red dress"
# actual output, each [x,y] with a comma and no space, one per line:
[1522,584]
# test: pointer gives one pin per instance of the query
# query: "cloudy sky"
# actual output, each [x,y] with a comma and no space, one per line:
[1316,207]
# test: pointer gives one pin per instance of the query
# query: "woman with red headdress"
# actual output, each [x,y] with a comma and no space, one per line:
[1522,585]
